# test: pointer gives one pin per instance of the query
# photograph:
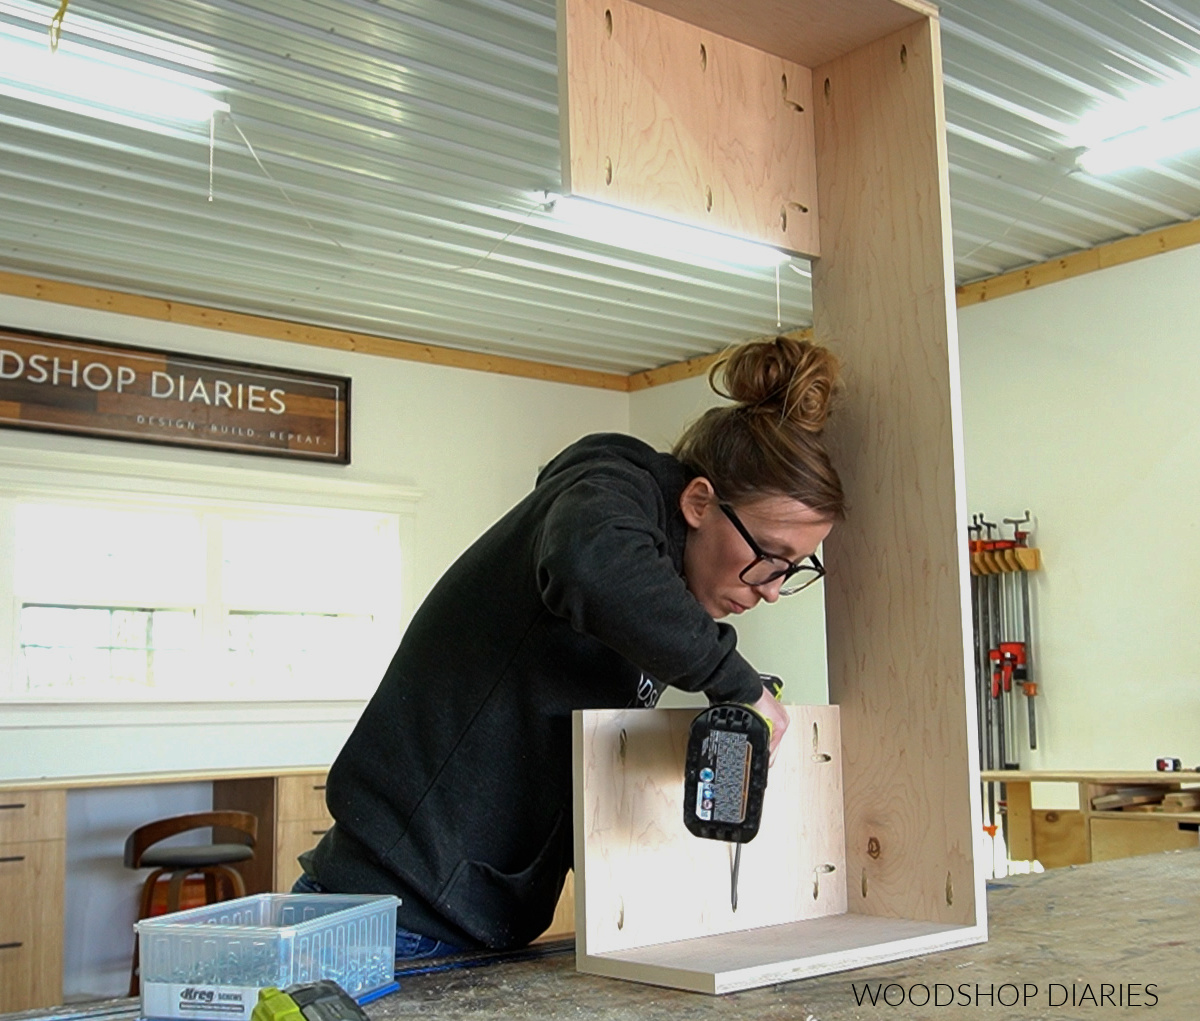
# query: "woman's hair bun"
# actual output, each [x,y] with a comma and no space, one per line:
[792,379]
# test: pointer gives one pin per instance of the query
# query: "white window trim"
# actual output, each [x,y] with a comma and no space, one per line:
[40,474]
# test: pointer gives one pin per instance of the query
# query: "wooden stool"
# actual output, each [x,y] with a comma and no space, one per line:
[212,861]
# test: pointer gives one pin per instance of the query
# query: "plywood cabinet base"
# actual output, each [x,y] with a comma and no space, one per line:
[747,960]
[653,902]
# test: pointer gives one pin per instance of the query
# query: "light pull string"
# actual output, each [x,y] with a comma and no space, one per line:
[56,24]
[282,189]
[491,251]
[778,309]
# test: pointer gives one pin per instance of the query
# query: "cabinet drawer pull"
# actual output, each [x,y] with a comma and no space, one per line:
[18,804]
[13,857]
[10,946]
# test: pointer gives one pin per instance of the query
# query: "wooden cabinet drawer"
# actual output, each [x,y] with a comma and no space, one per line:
[32,815]
[293,838]
[301,797]
[32,876]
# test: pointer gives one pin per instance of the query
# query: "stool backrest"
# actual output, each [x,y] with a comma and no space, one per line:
[234,827]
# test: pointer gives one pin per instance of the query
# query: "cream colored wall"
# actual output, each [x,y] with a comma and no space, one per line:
[787,638]
[469,442]
[1080,403]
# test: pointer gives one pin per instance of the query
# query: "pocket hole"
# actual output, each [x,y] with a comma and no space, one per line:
[608,23]
[707,199]
[827,88]
[623,742]
[818,755]
[607,170]
[818,872]
[703,58]
[904,56]
[864,882]
[949,889]
[783,218]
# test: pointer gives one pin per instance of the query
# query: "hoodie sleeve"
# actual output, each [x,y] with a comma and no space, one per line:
[604,564]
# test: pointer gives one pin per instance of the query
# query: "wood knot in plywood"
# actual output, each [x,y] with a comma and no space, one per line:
[874,848]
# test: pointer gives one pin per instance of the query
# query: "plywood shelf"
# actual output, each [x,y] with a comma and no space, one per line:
[780,953]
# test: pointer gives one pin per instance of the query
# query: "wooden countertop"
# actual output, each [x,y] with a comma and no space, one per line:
[138,779]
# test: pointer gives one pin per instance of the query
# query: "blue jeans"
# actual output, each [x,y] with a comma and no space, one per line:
[410,946]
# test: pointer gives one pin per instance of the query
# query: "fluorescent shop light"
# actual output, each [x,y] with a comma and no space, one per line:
[97,83]
[652,235]
[1147,126]
[1144,146]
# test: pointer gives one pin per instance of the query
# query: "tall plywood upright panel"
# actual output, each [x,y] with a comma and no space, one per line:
[815,125]
[897,608]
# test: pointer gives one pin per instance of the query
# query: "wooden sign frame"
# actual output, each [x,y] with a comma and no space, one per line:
[69,385]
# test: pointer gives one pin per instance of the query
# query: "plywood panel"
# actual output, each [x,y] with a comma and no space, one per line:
[1126,838]
[1060,838]
[564,914]
[781,953]
[809,32]
[669,119]
[896,593]
[642,878]
[1018,798]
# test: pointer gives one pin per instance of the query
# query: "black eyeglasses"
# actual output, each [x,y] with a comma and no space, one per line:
[766,567]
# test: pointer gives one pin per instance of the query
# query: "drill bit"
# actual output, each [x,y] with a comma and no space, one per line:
[733,875]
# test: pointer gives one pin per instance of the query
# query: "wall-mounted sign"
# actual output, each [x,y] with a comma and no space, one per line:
[88,388]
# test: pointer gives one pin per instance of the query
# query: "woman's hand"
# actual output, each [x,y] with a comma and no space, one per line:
[769,707]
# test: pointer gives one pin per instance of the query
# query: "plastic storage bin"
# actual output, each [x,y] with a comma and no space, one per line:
[210,962]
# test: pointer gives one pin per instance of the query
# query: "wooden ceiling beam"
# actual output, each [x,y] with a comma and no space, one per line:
[1114,253]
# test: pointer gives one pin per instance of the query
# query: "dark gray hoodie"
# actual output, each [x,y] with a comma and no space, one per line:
[454,790]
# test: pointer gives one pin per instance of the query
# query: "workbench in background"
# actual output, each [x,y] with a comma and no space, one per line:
[1058,837]
[1128,923]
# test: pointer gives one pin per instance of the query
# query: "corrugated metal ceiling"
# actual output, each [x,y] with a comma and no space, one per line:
[382,168]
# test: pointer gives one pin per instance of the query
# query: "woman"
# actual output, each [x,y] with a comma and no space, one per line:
[601,587]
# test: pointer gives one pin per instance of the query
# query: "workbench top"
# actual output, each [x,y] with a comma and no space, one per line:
[1100,776]
[1110,929]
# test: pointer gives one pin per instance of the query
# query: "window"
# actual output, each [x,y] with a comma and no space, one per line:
[70,649]
[119,599]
